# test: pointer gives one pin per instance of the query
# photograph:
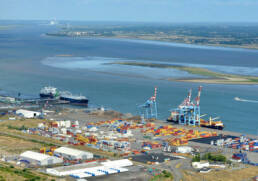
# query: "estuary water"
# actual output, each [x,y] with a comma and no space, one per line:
[30,60]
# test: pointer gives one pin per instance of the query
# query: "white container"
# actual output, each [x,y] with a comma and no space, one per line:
[78,131]
[63,130]
[41,125]
[68,124]
[62,123]
[76,123]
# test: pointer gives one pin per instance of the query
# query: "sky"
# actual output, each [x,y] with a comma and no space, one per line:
[132,10]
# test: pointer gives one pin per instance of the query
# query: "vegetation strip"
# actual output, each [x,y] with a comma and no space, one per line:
[210,76]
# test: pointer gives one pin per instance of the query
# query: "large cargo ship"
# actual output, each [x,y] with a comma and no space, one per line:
[188,113]
[211,123]
[203,123]
[53,94]
[74,99]
[49,93]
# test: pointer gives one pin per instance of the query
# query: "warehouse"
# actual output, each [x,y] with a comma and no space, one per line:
[40,159]
[27,113]
[118,163]
[73,154]
[103,168]
[184,149]
[200,165]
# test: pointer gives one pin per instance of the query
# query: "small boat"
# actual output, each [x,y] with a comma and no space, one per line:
[237,99]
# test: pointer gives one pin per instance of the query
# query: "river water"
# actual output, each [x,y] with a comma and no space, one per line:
[29,61]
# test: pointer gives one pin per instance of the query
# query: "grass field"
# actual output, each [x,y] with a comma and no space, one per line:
[10,128]
[11,173]
[228,175]
[12,145]
[209,76]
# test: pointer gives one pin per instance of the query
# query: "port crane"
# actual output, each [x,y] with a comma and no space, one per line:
[148,110]
[188,112]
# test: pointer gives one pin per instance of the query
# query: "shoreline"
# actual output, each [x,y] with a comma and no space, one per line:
[209,76]
[161,41]
[81,115]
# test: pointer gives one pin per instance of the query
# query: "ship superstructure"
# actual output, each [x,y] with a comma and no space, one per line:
[75,99]
[188,113]
[49,92]
[53,93]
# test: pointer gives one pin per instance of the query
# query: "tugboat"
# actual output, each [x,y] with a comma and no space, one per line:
[74,99]
[49,93]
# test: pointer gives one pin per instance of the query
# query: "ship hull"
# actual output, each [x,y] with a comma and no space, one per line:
[205,126]
[83,102]
[213,127]
[45,96]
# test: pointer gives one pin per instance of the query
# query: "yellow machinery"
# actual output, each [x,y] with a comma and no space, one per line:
[82,139]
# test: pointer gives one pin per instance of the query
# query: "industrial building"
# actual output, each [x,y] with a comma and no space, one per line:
[39,159]
[72,154]
[96,169]
[200,165]
[27,113]
[184,149]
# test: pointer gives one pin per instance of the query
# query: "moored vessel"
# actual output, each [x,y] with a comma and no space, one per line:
[74,99]
[188,113]
[211,123]
[49,92]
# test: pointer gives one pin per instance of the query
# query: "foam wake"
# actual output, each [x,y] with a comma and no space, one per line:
[245,100]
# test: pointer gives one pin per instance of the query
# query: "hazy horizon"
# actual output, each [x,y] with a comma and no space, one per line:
[133,22]
[174,11]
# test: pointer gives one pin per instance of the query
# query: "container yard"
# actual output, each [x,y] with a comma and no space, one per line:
[122,137]
[243,143]
[88,143]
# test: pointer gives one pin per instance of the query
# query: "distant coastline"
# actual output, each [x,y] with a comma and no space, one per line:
[217,36]
[185,42]
[158,39]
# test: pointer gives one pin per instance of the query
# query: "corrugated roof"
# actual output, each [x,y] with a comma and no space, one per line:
[70,151]
[24,111]
[118,163]
[34,155]
[88,172]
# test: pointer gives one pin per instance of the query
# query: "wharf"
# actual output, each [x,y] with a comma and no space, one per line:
[209,139]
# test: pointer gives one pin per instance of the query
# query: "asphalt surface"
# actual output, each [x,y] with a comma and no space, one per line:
[152,157]
[213,138]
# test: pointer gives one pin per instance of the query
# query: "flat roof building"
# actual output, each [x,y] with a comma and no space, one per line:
[72,154]
[27,113]
[92,169]
[40,159]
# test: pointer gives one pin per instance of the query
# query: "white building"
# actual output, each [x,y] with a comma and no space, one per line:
[96,169]
[73,154]
[118,163]
[200,165]
[27,113]
[184,149]
[40,159]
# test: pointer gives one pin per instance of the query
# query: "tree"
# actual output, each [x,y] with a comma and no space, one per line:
[196,158]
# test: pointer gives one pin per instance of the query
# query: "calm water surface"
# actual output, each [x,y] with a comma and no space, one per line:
[24,49]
